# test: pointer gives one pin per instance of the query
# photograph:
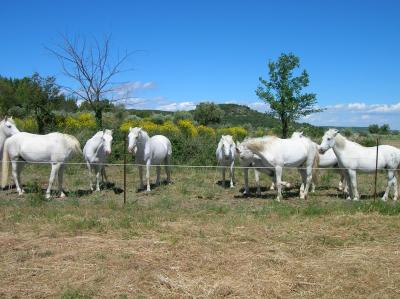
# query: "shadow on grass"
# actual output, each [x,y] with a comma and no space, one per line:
[153,186]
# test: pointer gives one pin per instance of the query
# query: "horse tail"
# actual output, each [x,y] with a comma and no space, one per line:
[5,165]
[315,168]
[74,144]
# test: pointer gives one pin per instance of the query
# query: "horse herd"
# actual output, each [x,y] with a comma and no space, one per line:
[268,154]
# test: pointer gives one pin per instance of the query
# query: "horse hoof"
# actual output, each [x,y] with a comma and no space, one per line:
[384,199]
[355,199]
[48,196]
[62,195]
[278,199]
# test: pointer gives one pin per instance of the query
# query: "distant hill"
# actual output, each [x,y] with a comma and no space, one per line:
[237,115]
[234,115]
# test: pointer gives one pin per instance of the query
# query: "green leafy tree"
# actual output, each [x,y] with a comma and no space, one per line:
[283,92]
[384,129]
[41,92]
[208,113]
[373,129]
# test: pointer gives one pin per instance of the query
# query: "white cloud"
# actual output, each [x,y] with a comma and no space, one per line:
[259,106]
[357,106]
[178,106]
[130,87]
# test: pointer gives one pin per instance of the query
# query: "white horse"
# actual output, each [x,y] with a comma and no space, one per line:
[148,151]
[326,160]
[94,152]
[248,159]
[279,153]
[53,148]
[7,129]
[355,157]
[226,157]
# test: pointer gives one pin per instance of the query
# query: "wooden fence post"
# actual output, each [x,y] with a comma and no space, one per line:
[125,169]
[376,167]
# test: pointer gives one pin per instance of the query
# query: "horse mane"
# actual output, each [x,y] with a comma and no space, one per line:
[259,144]
[340,141]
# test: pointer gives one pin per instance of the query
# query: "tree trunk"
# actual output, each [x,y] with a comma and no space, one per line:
[98,114]
[285,128]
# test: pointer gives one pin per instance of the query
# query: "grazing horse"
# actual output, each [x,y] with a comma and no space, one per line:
[278,153]
[7,129]
[326,160]
[226,156]
[53,148]
[94,152]
[355,157]
[149,151]
[248,159]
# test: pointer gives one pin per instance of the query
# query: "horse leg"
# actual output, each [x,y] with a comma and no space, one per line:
[246,180]
[391,182]
[303,180]
[90,175]
[257,177]
[16,170]
[60,180]
[278,175]
[53,173]
[98,174]
[353,179]
[342,181]
[141,177]
[158,168]
[104,177]
[308,172]
[232,172]
[395,189]
[168,169]
[312,186]
[148,163]
[223,176]
[303,175]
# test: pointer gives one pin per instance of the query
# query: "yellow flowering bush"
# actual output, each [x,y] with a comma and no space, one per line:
[187,128]
[26,125]
[237,133]
[205,131]
[168,128]
[84,120]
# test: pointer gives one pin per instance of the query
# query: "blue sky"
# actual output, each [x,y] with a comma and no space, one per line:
[193,51]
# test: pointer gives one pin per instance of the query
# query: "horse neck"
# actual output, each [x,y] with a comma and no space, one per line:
[3,138]
[340,144]
[99,146]
[142,140]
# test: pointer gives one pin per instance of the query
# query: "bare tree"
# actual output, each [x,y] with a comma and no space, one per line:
[92,66]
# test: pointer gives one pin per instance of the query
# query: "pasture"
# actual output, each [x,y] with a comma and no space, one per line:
[196,239]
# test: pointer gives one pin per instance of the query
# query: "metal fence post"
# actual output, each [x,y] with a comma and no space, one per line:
[125,169]
[376,166]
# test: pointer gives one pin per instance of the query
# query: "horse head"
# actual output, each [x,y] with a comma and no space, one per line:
[107,140]
[328,140]
[245,155]
[133,136]
[227,146]
[7,126]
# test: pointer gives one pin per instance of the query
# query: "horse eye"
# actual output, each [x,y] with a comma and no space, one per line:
[9,126]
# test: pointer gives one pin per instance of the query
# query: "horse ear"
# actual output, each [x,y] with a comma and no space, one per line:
[301,133]
[130,129]
[335,132]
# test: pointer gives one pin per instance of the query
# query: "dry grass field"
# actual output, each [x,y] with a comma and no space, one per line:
[195,238]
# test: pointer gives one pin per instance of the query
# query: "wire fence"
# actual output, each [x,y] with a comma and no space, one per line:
[123,171]
[123,178]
